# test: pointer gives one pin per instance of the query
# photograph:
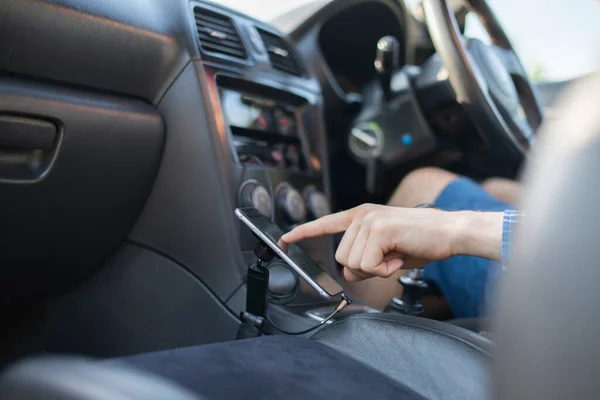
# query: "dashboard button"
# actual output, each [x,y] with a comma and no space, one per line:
[317,203]
[253,194]
[292,157]
[291,203]
[285,123]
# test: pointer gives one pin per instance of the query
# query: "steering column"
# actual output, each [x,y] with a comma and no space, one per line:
[391,128]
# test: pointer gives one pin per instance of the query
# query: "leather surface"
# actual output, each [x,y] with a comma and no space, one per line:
[435,359]
[80,379]
[472,324]
[135,47]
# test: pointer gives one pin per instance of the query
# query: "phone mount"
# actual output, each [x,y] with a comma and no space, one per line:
[257,291]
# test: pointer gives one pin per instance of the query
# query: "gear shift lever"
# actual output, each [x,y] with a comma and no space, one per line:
[386,61]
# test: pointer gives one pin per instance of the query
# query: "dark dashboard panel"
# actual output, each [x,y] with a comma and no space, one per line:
[345,33]
[348,42]
[131,47]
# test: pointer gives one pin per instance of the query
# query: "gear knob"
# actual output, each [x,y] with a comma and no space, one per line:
[386,61]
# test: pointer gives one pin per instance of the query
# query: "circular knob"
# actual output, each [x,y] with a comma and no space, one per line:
[366,140]
[316,203]
[282,281]
[291,203]
[253,194]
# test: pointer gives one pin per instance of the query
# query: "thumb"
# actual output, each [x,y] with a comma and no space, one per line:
[389,266]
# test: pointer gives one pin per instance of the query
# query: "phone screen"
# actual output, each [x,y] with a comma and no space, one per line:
[293,255]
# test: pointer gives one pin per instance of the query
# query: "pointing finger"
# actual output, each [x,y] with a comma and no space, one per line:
[327,225]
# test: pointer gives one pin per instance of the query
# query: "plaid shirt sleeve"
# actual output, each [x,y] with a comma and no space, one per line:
[512,219]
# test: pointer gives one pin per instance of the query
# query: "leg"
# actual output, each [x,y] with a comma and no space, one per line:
[464,280]
[506,190]
[421,186]
[418,187]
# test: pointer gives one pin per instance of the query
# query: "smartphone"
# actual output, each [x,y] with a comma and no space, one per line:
[292,255]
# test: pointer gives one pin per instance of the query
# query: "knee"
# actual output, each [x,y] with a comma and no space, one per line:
[491,185]
[420,186]
[427,176]
[503,189]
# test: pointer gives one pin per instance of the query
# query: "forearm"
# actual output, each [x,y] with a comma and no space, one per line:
[478,234]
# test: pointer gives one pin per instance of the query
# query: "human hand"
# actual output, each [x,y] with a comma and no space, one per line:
[379,240]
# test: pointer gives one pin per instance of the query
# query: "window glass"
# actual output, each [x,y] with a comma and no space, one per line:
[555,39]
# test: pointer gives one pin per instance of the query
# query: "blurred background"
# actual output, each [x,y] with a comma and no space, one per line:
[556,39]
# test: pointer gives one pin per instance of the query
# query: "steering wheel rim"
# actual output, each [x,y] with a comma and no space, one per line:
[489,80]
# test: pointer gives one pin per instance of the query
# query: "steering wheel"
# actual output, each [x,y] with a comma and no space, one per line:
[489,80]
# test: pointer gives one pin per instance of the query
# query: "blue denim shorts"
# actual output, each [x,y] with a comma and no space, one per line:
[465,280]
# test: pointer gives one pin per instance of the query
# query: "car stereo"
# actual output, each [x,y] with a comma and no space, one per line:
[257,113]
[264,129]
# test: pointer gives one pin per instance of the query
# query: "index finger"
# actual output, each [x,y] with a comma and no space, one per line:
[326,225]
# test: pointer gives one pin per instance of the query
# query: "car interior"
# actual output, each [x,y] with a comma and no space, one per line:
[131,130]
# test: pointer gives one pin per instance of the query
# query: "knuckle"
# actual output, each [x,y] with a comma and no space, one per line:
[340,258]
[378,225]
[366,266]
[365,208]
[371,217]
[354,262]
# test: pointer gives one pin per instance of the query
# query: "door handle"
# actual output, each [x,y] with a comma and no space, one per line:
[23,133]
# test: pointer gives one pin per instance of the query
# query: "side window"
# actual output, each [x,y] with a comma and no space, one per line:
[556,39]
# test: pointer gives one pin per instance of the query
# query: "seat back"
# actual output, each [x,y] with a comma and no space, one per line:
[548,325]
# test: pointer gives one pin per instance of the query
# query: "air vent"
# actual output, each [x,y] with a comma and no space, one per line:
[280,53]
[218,34]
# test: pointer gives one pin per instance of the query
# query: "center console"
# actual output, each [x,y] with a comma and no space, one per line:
[266,133]
[277,167]
[267,110]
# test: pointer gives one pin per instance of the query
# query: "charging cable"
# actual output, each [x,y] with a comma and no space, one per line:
[345,301]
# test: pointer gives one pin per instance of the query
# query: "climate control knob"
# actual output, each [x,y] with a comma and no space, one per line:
[291,203]
[317,203]
[253,194]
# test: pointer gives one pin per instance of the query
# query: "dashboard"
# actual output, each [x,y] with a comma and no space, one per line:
[165,117]
[242,106]
[131,130]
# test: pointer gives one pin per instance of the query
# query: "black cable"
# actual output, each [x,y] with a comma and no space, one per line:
[292,333]
[340,307]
